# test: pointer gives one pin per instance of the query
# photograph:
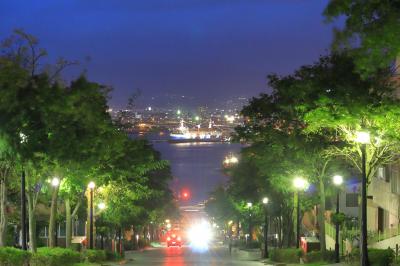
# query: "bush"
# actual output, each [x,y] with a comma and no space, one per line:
[381,257]
[376,257]
[54,257]
[249,244]
[110,256]
[13,257]
[318,256]
[93,255]
[287,255]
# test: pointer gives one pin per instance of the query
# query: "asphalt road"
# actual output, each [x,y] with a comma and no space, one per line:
[185,256]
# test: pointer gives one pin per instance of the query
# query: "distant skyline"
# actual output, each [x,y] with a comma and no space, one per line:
[207,49]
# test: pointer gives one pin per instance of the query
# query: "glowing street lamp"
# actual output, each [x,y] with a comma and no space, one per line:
[300,184]
[338,181]
[265,201]
[249,205]
[102,205]
[55,182]
[178,112]
[197,118]
[363,138]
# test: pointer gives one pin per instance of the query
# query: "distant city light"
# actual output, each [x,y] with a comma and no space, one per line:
[149,108]
[197,118]
[230,118]
[178,112]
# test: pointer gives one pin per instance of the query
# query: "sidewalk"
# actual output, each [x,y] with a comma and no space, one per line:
[270,263]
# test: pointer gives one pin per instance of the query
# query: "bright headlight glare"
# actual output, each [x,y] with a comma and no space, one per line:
[200,235]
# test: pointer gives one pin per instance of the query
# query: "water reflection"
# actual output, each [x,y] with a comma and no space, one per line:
[196,166]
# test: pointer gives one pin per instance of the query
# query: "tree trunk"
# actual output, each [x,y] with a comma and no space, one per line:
[32,222]
[3,212]
[53,218]
[68,218]
[321,215]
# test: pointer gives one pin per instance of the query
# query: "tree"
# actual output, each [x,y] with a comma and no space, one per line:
[370,31]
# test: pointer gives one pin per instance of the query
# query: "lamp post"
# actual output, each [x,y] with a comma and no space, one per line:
[338,181]
[249,205]
[91,187]
[363,138]
[265,202]
[299,184]
[23,139]
[55,182]
[23,211]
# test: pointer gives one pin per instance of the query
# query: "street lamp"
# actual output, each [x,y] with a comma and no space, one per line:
[265,202]
[91,187]
[55,182]
[23,139]
[300,184]
[338,181]
[102,206]
[363,138]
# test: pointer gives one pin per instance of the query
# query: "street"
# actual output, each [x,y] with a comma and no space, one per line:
[185,257]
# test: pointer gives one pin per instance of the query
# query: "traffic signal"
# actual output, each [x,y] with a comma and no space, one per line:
[185,194]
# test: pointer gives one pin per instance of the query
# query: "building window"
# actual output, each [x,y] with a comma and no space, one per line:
[394,180]
[381,173]
[352,200]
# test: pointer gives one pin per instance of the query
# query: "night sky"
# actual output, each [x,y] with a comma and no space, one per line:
[208,49]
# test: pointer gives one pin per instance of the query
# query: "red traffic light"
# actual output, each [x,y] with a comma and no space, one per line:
[185,194]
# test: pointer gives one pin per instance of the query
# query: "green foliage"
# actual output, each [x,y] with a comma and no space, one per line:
[287,255]
[92,255]
[318,256]
[376,257]
[13,257]
[370,31]
[54,257]
[112,256]
[249,244]
[338,218]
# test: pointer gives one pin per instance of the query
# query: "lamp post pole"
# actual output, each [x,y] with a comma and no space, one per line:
[91,187]
[91,220]
[249,205]
[338,181]
[298,221]
[23,211]
[300,184]
[265,202]
[364,235]
[337,259]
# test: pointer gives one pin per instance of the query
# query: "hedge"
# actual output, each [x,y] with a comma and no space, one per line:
[287,255]
[318,256]
[13,257]
[54,257]
[377,257]
[93,255]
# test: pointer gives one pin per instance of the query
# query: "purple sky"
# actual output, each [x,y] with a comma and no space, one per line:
[209,49]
